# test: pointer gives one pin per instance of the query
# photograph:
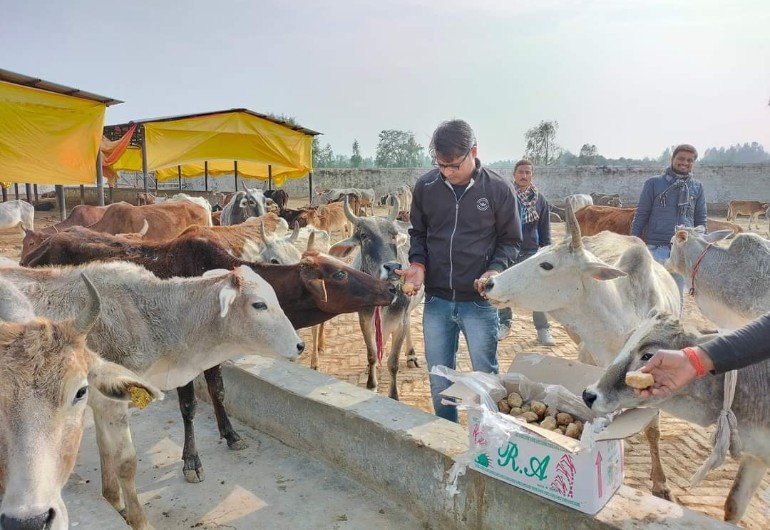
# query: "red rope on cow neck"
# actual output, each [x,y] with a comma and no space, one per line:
[695,269]
[378,334]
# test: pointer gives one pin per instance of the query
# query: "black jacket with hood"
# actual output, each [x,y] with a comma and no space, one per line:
[459,240]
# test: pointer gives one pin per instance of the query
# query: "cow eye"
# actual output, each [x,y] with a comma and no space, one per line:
[646,356]
[275,261]
[546,266]
[340,275]
[81,393]
[259,305]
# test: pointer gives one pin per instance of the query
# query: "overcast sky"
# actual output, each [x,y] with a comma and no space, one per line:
[630,76]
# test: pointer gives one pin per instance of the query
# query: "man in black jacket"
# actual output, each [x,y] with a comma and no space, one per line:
[462,233]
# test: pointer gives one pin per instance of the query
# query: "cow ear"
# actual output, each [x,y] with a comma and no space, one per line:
[317,288]
[120,383]
[343,248]
[602,272]
[681,236]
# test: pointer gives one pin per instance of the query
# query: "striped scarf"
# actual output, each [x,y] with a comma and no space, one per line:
[680,183]
[528,201]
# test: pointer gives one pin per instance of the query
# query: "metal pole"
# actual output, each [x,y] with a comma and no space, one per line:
[82,194]
[62,203]
[206,175]
[16,189]
[144,158]
[5,194]
[310,179]
[269,177]
[179,176]
[29,192]
[235,170]
[36,197]
[99,182]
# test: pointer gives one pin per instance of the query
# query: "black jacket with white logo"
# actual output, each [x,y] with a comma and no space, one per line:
[459,240]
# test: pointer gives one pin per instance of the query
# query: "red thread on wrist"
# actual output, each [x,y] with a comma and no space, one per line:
[694,358]
[418,265]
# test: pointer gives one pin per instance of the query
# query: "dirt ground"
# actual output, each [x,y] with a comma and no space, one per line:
[683,446]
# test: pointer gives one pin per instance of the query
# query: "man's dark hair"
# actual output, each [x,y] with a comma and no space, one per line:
[452,139]
[685,147]
[523,162]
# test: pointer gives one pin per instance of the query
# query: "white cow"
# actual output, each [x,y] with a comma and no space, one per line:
[46,376]
[600,303]
[578,201]
[168,331]
[731,285]
[200,201]
[14,212]
[699,402]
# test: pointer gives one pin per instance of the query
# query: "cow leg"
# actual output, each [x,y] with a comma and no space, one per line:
[366,321]
[319,344]
[657,475]
[750,474]
[217,392]
[411,356]
[192,467]
[118,459]
[397,340]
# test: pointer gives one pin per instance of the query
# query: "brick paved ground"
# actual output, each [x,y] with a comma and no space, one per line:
[683,446]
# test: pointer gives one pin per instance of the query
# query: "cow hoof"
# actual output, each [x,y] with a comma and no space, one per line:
[314,367]
[412,363]
[666,495]
[237,445]
[193,476]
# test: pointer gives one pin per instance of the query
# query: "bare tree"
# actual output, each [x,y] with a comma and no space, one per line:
[541,143]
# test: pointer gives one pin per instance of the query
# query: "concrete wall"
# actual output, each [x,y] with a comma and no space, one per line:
[722,183]
[405,453]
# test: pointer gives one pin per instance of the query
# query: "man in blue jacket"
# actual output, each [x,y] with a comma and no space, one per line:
[672,199]
[462,233]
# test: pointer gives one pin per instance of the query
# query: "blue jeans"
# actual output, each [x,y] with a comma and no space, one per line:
[442,322]
[660,253]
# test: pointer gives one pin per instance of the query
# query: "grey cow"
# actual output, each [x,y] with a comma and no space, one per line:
[250,202]
[382,251]
[700,402]
[731,285]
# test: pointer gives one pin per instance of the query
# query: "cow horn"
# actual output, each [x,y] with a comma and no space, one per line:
[573,227]
[87,317]
[145,228]
[396,206]
[311,240]
[350,215]
[294,233]
[243,185]
[262,230]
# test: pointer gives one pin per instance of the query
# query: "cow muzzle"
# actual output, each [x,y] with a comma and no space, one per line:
[390,269]
[41,521]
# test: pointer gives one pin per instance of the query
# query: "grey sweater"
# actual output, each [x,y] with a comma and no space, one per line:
[742,347]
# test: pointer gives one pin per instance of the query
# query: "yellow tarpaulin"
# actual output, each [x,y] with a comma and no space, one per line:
[222,138]
[48,138]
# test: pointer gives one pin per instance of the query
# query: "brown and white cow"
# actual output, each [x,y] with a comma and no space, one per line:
[751,208]
[46,376]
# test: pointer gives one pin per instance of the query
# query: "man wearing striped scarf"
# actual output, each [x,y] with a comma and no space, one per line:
[534,214]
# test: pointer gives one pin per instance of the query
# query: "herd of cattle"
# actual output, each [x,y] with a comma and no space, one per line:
[200,286]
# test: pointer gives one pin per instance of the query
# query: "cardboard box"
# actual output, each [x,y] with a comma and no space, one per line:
[548,463]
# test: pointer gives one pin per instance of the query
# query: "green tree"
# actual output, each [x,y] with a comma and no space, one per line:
[588,155]
[541,147]
[355,158]
[398,149]
[322,156]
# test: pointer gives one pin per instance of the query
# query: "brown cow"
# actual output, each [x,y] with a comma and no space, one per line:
[81,215]
[166,219]
[595,219]
[331,217]
[751,208]
[311,292]
[143,199]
